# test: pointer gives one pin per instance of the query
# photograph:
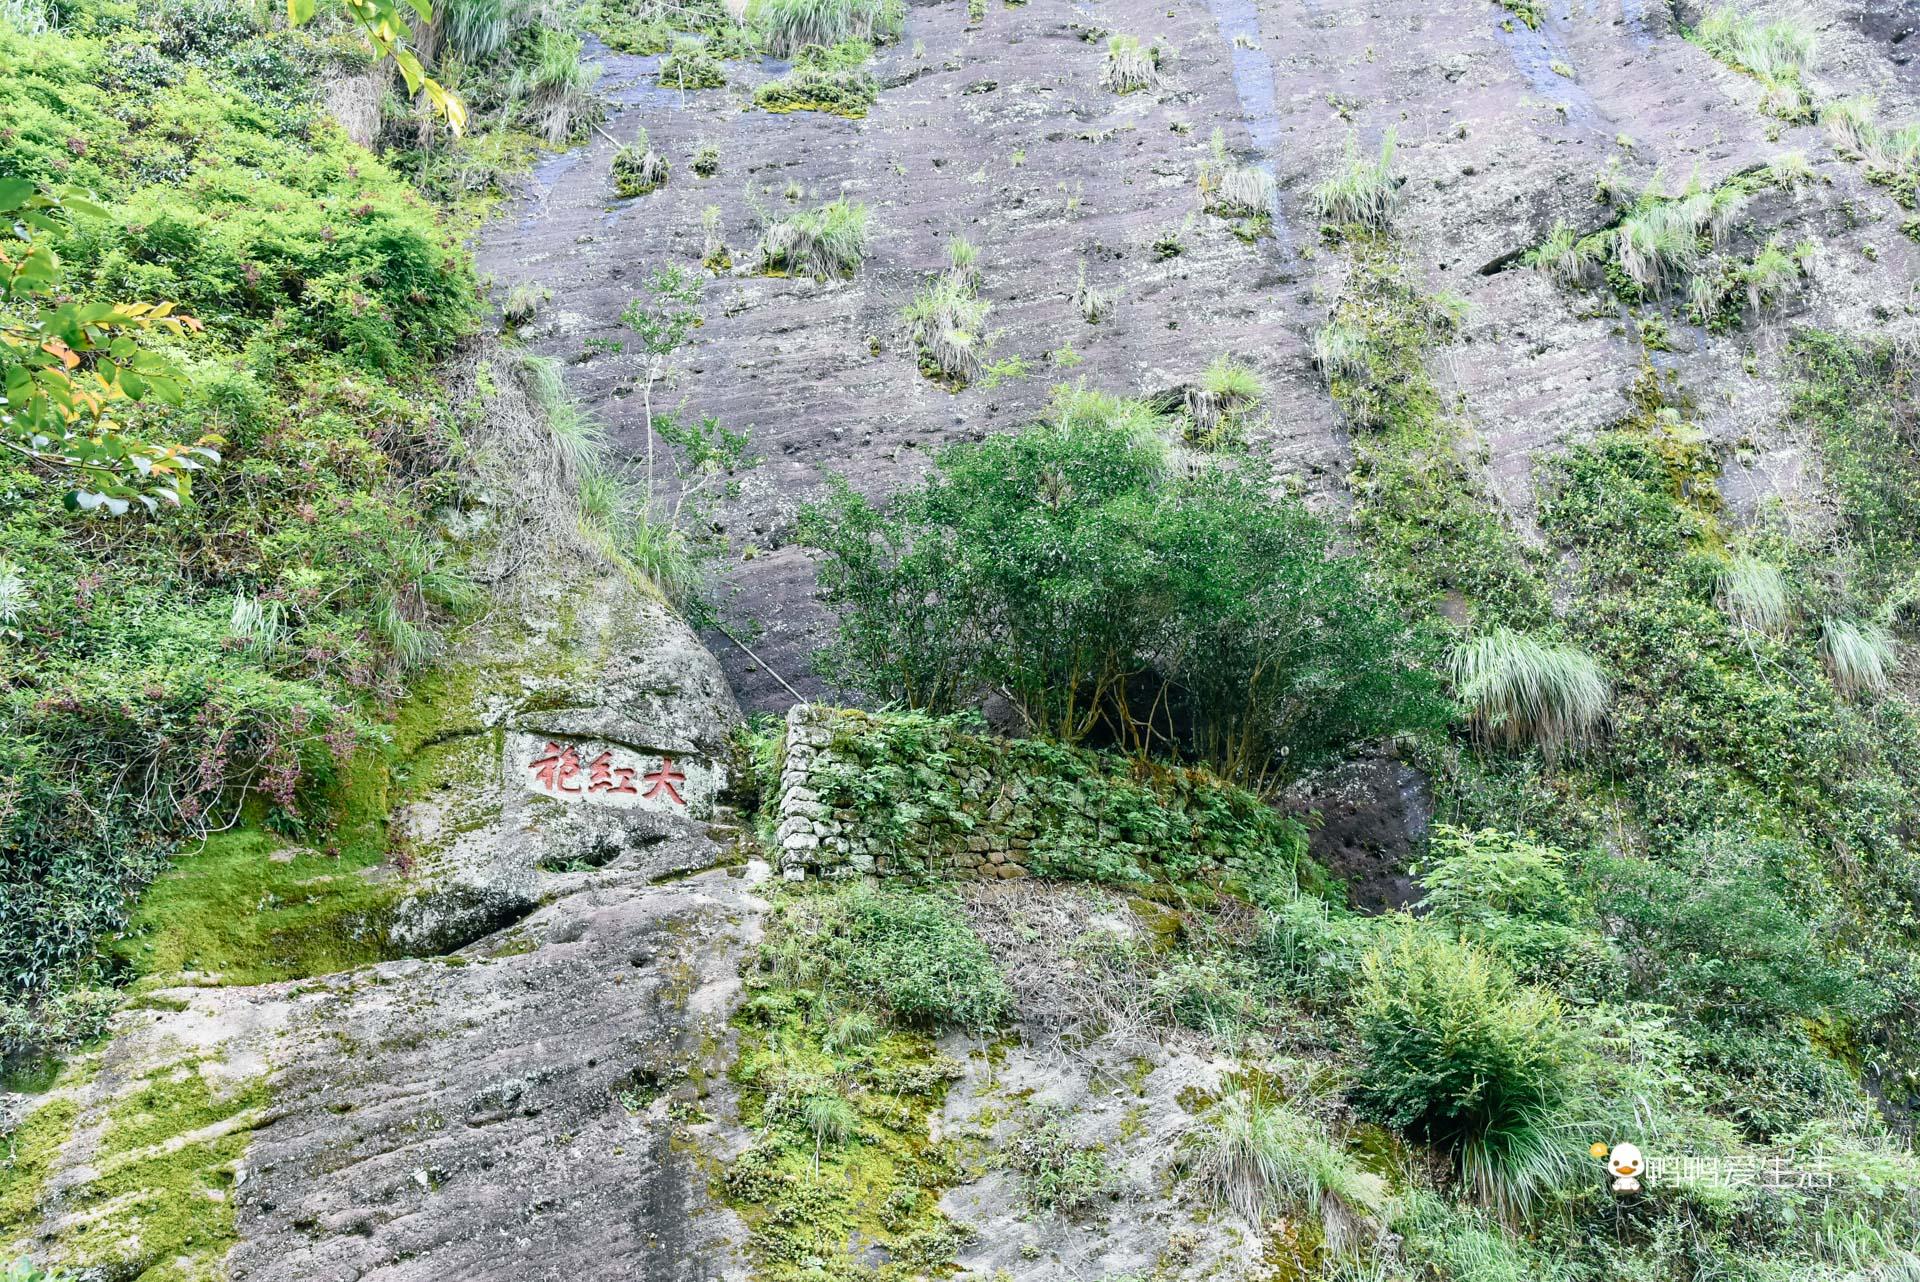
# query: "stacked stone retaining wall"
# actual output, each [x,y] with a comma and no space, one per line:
[881,794]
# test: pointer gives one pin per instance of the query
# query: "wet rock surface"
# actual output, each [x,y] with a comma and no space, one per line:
[1002,132]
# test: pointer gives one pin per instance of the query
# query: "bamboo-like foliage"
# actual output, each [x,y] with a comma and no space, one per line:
[1519,689]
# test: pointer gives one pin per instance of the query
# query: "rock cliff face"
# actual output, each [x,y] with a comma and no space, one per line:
[492,1104]
[1002,131]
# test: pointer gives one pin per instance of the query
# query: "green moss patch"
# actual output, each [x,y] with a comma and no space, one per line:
[248,908]
[843,1100]
[26,1158]
[161,1207]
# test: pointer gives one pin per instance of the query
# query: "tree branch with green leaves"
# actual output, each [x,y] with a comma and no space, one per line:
[69,370]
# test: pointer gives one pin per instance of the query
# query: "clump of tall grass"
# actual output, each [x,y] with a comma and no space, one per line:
[1255,1155]
[1858,656]
[1342,351]
[1566,256]
[1776,270]
[1228,391]
[475,30]
[1889,154]
[1095,305]
[555,91]
[1233,190]
[714,255]
[1131,66]
[963,261]
[1520,689]
[638,168]
[1753,593]
[1659,243]
[1777,54]
[1790,169]
[611,519]
[789,25]
[1610,185]
[523,302]
[946,323]
[1364,189]
[825,243]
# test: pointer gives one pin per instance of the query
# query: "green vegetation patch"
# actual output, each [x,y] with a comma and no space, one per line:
[832,78]
[1418,503]
[841,1080]
[249,908]
[160,1209]
[916,781]
[30,1150]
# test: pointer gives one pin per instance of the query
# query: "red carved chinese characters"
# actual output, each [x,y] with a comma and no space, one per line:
[666,779]
[604,776]
[555,768]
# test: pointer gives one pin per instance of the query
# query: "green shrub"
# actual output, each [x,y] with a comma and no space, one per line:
[1512,896]
[1311,950]
[638,169]
[234,656]
[1062,563]
[1056,1174]
[691,66]
[1713,936]
[1458,1055]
